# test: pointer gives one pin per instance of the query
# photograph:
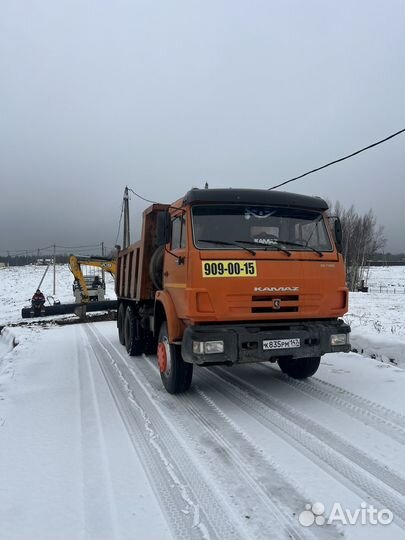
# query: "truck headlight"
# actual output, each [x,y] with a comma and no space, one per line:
[208,347]
[338,339]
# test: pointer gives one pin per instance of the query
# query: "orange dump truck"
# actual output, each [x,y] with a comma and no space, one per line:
[230,276]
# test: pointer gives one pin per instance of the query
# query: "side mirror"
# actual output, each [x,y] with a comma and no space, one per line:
[164,228]
[338,234]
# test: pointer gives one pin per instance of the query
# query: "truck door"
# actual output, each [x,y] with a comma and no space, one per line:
[175,268]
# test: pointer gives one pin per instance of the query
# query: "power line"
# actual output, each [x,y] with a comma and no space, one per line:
[143,198]
[79,247]
[34,251]
[301,175]
[339,160]
[154,202]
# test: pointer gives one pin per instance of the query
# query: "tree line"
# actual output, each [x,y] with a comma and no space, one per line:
[23,259]
[362,240]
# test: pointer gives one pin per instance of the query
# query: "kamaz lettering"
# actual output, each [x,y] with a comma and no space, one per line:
[276,289]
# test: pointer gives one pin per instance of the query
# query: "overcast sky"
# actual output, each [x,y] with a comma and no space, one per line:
[165,95]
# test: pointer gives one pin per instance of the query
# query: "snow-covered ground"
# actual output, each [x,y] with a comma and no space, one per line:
[18,284]
[377,318]
[92,447]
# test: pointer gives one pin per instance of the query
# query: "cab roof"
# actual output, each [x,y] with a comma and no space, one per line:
[255,197]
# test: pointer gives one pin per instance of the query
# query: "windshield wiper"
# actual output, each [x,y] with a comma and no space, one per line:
[317,220]
[224,243]
[301,245]
[275,244]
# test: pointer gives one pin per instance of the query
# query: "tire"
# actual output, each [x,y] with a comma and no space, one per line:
[299,368]
[175,373]
[133,342]
[156,268]
[121,324]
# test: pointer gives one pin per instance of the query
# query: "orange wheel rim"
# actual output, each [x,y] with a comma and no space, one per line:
[162,357]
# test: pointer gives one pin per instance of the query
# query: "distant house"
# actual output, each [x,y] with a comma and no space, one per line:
[2,265]
[43,262]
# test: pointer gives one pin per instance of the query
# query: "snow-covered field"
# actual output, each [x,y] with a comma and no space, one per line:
[378,318]
[92,447]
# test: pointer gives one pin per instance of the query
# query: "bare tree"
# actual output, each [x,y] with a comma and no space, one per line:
[361,240]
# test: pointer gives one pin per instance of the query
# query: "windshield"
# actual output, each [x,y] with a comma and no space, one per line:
[261,227]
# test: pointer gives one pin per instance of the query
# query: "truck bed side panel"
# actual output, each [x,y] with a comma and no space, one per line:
[133,280]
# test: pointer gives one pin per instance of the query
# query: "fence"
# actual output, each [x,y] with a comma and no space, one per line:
[397,289]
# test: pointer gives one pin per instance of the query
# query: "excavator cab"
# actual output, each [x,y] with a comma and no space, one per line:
[88,286]
[95,288]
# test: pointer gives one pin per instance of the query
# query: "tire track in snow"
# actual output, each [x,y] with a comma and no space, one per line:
[376,408]
[342,446]
[280,527]
[374,416]
[94,464]
[362,481]
[191,507]
[334,452]
[221,435]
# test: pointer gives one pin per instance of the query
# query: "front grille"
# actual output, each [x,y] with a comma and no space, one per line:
[264,303]
[284,307]
[270,298]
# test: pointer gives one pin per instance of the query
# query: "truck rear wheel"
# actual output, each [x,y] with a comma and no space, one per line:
[121,324]
[175,373]
[133,342]
[299,368]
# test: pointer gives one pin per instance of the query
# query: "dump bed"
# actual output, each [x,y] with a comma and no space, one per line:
[133,281]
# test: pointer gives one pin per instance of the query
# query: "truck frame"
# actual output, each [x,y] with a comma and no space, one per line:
[231,276]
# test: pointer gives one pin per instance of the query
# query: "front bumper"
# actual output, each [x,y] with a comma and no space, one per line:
[243,343]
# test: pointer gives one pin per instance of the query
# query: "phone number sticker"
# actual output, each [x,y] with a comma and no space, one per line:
[211,269]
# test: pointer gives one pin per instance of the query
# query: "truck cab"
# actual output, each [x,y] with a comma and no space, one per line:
[231,276]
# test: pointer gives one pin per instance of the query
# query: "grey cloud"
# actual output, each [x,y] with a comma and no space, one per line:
[166,95]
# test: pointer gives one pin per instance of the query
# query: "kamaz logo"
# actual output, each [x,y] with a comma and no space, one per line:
[276,289]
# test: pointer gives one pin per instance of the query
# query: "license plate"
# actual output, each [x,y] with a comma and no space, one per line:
[270,344]
[225,269]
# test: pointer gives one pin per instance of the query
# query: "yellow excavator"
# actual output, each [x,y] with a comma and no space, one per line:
[89,287]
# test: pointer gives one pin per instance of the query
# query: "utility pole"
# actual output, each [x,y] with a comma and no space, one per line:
[54,269]
[126,239]
[102,269]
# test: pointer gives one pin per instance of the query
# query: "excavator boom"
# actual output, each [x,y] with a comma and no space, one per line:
[75,264]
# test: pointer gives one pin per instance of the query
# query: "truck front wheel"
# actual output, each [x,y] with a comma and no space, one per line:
[299,368]
[175,373]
